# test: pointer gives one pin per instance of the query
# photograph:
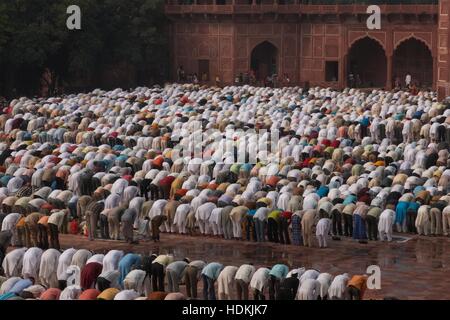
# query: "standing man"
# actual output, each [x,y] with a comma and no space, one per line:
[210,273]
[408,80]
[55,222]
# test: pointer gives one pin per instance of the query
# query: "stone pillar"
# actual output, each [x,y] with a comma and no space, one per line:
[389,72]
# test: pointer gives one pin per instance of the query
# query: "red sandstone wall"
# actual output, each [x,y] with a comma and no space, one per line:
[443,70]
[303,48]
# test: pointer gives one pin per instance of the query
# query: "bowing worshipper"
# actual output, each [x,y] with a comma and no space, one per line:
[175,272]
[192,276]
[214,222]
[226,281]
[386,224]
[108,279]
[289,287]
[169,211]
[237,216]
[242,279]
[21,232]
[64,262]
[259,282]
[111,260]
[89,275]
[372,222]
[126,295]
[48,268]
[92,215]
[157,222]
[325,282]
[157,296]
[180,218]
[108,294]
[90,294]
[80,258]
[308,220]
[114,217]
[446,220]
[50,294]
[9,223]
[322,231]
[400,212]
[338,286]
[5,242]
[158,271]
[283,227]
[128,262]
[276,275]
[309,290]
[136,280]
[33,292]
[71,293]
[31,229]
[98,258]
[175,296]
[210,273]
[226,224]
[347,213]
[42,234]
[272,225]
[55,222]
[202,216]
[31,262]
[423,220]
[260,221]
[127,221]
[20,286]
[359,217]
[8,284]
[356,287]
[336,220]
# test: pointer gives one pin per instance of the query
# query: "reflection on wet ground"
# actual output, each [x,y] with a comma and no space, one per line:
[416,269]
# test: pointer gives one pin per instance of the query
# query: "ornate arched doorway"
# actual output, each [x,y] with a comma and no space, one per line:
[264,60]
[366,66]
[414,57]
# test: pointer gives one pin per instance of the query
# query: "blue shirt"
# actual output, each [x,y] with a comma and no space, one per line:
[279,271]
[251,212]
[21,285]
[212,270]
[349,199]
[322,191]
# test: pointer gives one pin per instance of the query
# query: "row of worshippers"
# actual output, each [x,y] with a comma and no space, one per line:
[82,275]
[108,163]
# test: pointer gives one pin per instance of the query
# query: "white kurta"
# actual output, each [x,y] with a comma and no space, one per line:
[111,260]
[260,279]
[48,268]
[338,286]
[12,264]
[226,281]
[31,263]
[64,262]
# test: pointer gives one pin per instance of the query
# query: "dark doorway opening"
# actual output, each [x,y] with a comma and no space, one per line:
[203,70]
[413,56]
[264,60]
[331,71]
[367,64]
